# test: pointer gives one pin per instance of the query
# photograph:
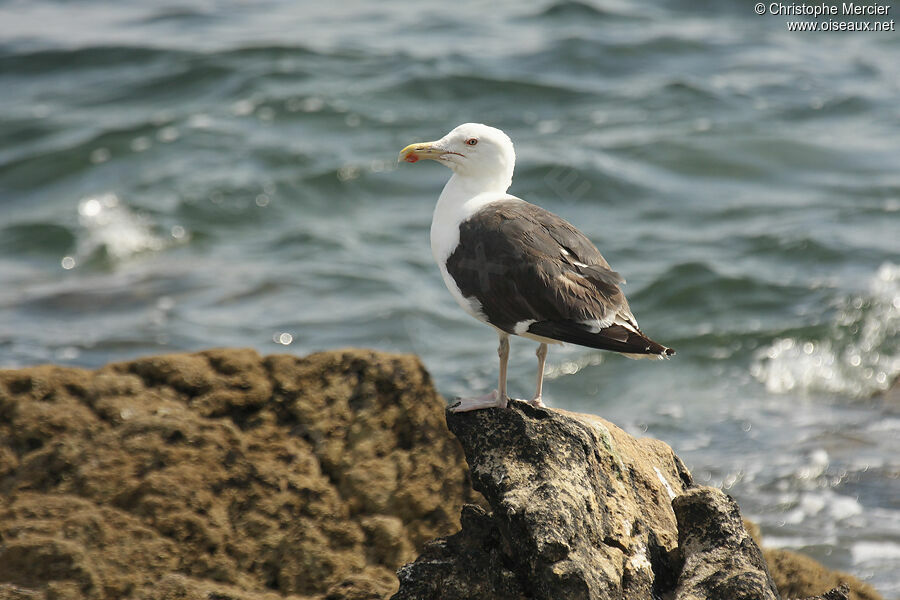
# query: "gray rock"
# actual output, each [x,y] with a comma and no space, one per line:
[580,510]
[838,593]
[469,565]
[721,560]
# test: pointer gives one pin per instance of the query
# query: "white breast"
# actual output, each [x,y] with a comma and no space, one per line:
[454,207]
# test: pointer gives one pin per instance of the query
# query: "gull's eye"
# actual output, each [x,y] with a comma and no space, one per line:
[471,141]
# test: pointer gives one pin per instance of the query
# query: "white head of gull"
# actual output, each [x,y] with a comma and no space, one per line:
[517,267]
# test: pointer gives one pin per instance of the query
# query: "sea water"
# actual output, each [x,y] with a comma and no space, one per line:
[222,173]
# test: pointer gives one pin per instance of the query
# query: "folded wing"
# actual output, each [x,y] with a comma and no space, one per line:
[532,272]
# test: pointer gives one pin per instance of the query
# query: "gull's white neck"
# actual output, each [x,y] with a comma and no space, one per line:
[462,197]
[471,185]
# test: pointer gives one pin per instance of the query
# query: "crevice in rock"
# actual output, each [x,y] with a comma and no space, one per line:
[610,541]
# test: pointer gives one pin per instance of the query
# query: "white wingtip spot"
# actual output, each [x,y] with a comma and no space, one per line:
[522,326]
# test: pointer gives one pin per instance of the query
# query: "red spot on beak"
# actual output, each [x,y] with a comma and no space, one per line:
[411,158]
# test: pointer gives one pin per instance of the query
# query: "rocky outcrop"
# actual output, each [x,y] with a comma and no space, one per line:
[226,475]
[582,510]
[797,576]
[222,474]
[720,559]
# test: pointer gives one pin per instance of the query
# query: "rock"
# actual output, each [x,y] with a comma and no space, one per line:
[471,564]
[839,593]
[580,510]
[721,560]
[223,474]
[799,576]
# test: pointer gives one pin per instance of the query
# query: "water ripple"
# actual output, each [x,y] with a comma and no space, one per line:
[223,174]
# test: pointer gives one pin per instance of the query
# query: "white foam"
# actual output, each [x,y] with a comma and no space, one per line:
[843,507]
[111,226]
[809,507]
[859,358]
[887,424]
[570,367]
[863,552]
[775,541]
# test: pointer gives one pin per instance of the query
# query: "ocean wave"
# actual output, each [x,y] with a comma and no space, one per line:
[187,79]
[36,238]
[53,157]
[875,551]
[111,230]
[281,51]
[826,107]
[69,60]
[183,15]
[860,355]
[556,370]
[585,56]
[796,248]
[105,56]
[698,286]
[479,86]
[571,9]
[580,181]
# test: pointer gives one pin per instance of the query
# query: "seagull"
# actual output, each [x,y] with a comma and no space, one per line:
[517,267]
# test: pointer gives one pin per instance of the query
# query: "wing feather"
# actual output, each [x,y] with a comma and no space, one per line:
[522,263]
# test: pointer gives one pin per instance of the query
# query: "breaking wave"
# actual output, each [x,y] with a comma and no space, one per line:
[113,231]
[859,356]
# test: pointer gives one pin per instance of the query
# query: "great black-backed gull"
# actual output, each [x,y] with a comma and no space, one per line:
[517,267]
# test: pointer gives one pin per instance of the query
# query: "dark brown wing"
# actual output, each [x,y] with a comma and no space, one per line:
[532,271]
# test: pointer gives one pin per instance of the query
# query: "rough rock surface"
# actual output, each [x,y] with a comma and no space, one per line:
[839,593]
[222,475]
[721,560]
[580,510]
[797,576]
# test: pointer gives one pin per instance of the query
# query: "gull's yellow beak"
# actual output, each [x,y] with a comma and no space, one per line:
[419,150]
